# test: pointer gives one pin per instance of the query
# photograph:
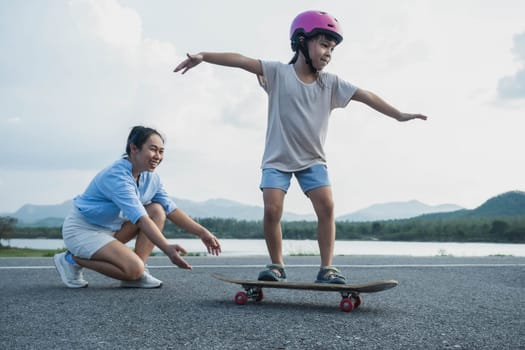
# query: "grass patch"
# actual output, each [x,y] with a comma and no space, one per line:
[502,255]
[10,252]
[443,253]
[156,253]
[195,254]
[303,254]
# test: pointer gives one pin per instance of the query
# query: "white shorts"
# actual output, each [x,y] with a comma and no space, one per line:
[83,239]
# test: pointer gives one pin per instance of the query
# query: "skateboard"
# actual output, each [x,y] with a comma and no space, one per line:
[350,293]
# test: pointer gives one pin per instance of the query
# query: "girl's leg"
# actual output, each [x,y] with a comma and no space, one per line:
[323,204]
[273,210]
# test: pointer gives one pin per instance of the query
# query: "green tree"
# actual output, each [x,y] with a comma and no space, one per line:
[7,225]
[377,228]
[499,228]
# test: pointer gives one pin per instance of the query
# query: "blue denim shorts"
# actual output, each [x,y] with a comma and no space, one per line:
[309,178]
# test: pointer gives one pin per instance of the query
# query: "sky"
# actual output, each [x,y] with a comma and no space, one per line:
[76,75]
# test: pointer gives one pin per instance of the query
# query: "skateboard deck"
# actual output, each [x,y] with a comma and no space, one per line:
[350,293]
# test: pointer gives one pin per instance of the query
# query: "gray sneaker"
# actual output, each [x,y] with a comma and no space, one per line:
[273,273]
[330,274]
[146,281]
[71,275]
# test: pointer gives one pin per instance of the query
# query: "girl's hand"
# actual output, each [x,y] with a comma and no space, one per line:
[407,116]
[173,253]
[189,63]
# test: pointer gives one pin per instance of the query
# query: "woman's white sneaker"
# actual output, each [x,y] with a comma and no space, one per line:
[146,281]
[72,276]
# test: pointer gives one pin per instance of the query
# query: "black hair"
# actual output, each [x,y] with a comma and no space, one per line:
[299,43]
[138,136]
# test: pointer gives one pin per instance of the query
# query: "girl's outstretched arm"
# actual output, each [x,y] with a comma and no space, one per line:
[223,59]
[377,103]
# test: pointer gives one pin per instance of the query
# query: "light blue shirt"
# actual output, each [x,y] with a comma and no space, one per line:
[113,196]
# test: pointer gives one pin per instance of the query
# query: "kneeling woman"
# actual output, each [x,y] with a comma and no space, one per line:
[125,201]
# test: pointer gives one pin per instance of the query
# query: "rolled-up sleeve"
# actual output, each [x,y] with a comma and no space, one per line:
[163,199]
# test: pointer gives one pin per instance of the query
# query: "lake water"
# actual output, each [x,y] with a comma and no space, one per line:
[250,247]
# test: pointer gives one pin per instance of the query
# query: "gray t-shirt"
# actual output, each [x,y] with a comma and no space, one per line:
[298,115]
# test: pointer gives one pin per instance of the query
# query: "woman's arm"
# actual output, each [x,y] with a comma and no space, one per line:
[182,220]
[151,230]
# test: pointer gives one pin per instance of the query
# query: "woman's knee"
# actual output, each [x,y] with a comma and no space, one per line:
[156,212]
[127,232]
[131,265]
[133,269]
[117,260]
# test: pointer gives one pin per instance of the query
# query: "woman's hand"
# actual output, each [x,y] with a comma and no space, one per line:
[211,242]
[173,253]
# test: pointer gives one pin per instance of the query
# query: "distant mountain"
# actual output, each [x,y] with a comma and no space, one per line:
[220,208]
[47,222]
[224,208]
[396,210]
[506,204]
[509,203]
[53,215]
[32,213]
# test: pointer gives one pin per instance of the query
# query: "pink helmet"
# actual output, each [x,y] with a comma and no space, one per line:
[310,23]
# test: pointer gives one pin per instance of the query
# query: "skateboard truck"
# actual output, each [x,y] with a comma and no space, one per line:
[350,301]
[251,293]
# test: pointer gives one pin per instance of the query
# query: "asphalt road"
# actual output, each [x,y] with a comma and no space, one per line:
[440,303]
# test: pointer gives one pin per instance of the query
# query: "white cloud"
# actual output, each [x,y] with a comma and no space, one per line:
[113,23]
[70,94]
[96,76]
[513,87]
[13,120]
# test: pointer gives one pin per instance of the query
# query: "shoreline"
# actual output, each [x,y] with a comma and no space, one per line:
[254,247]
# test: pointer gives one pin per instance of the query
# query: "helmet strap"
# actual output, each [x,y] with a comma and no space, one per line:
[304,49]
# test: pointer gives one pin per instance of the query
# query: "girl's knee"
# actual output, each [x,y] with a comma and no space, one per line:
[325,209]
[272,213]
